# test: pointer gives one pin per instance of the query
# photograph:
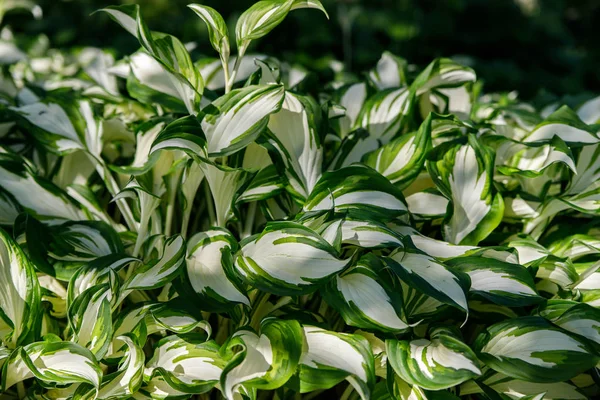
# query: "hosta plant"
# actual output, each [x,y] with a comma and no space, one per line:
[176,226]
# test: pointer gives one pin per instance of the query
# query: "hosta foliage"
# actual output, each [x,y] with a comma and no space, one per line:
[176,226]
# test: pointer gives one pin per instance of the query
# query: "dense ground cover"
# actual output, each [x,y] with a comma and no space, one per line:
[177,227]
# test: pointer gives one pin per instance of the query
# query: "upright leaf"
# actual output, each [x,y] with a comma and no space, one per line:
[296,141]
[20,295]
[91,320]
[390,72]
[160,270]
[226,186]
[236,119]
[217,29]
[464,174]
[265,15]
[210,267]
[402,159]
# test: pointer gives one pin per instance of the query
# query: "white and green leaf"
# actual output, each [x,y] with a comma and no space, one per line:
[331,357]
[20,294]
[500,282]
[210,267]
[295,139]
[357,188]
[182,365]
[267,361]
[288,258]
[463,173]
[431,277]
[402,159]
[363,298]
[533,349]
[442,362]
[235,120]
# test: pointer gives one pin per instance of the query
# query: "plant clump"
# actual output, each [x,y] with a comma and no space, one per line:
[177,227]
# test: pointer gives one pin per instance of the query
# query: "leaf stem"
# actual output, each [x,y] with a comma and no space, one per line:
[210,205]
[238,60]
[259,310]
[225,65]
[170,211]
[347,392]
[113,188]
[185,221]
[223,331]
[21,390]
[313,394]
[249,223]
[141,236]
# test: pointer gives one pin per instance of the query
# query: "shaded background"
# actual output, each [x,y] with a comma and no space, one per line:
[527,45]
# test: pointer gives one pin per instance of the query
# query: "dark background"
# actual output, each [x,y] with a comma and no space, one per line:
[527,45]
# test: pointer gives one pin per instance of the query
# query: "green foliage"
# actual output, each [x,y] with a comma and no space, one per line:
[175,226]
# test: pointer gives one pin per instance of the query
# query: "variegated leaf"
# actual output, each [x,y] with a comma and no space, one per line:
[528,161]
[352,98]
[267,360]
[587,170]
[34,194]
[91,320]
[235,120]
[363,233]
[382,117]
[390,72]
[565,124]
[226,186]
[463,173]
[442,362]
[127,380]
[64,127]
[160,270]
[520,389]
[296,141]
[84,241]
[332,357]
[210,267]
[182,365]
[288,258]
[265,15]
[163,318]
[402,159]
[20,295]
[357,188]
[533,349]
[431,277]
[500,282]
[52,362]
[442,73]
[217,29]
[366,297]
[582,320]
[167,50]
